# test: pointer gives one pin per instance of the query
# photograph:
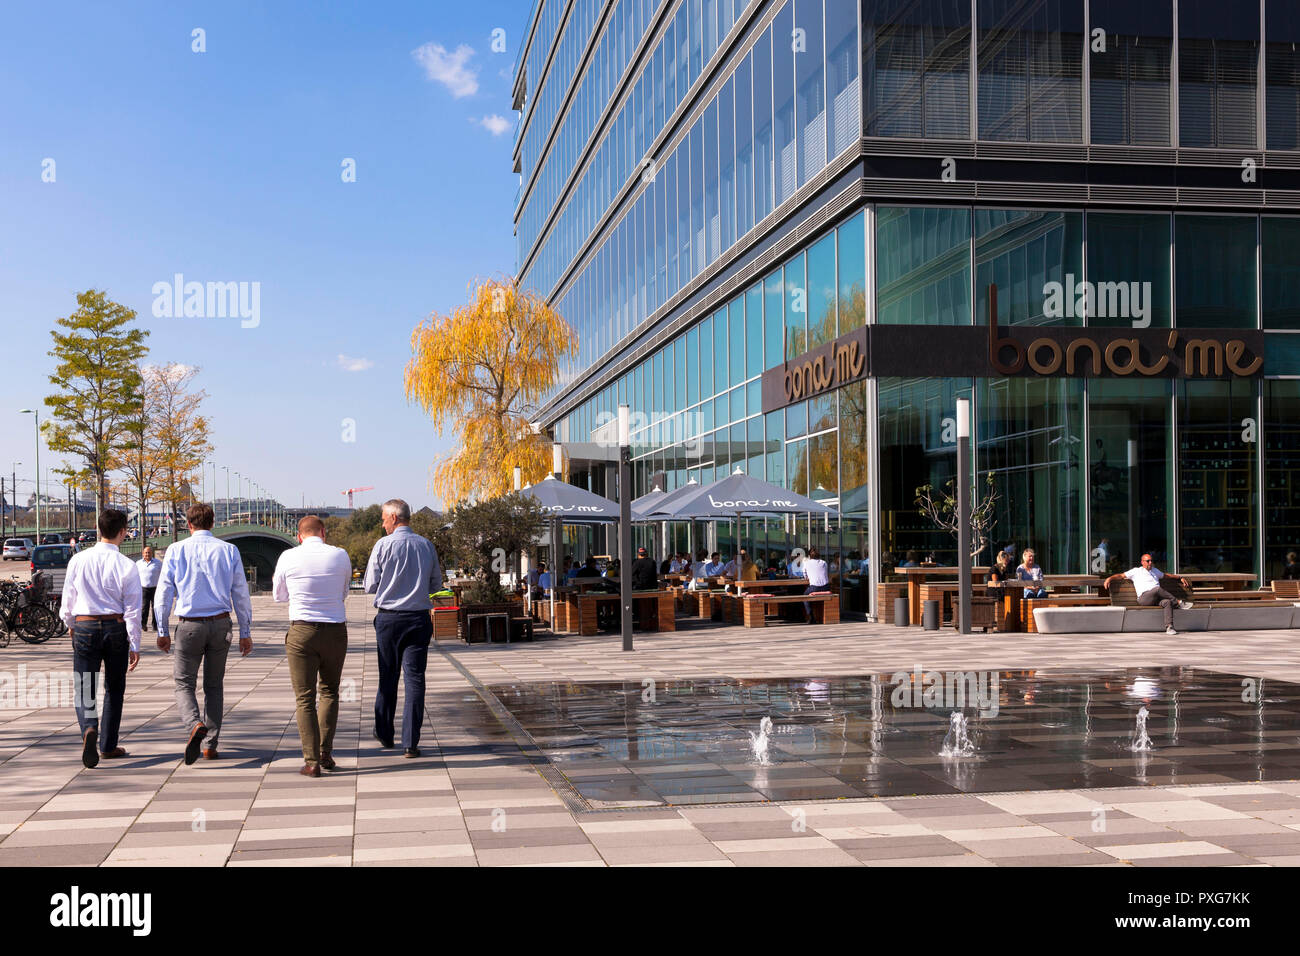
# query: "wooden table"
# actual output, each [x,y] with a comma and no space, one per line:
[1228,580]
[770,584]
[655,607]
[916,576]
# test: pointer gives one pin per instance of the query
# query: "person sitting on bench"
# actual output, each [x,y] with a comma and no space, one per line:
[818,575]
[999,574]
[644,576]
[1146,581]
[1032,573]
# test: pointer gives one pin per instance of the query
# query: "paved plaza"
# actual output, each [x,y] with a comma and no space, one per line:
[481,795]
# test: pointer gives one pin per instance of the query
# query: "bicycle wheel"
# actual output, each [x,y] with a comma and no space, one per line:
[36,624]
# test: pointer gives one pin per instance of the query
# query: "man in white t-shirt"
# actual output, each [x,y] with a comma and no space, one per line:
[818,575]
[1146,581]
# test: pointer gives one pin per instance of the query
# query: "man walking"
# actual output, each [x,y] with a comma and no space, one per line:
[204,577]
[101,606]
[314,579]
[1146,581]
[149,568]
[402,572]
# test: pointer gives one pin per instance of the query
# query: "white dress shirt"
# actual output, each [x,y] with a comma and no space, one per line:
[816,571]
[149,572]
[203,576]
[314,579]
[102,580]
[1144,580]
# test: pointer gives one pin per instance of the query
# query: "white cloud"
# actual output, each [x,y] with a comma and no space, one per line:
[349,364]
[449,69]
[494,124]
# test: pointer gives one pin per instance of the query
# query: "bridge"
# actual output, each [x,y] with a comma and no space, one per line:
[259,546]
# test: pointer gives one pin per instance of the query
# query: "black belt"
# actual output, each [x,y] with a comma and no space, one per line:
[387,610]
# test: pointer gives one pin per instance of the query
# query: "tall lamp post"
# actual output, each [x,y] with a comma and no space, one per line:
[963,512]
[239,494]
[625,520]
[226,469]
[36,415]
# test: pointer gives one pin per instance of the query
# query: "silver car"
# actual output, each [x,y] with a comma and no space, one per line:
[18,549]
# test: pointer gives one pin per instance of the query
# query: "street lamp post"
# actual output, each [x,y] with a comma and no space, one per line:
[963,512]
[37,416]
[13,466]
[625,520]
[239,494]
[226,469]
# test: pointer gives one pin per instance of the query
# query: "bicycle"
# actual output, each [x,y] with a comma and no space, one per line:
[33,622]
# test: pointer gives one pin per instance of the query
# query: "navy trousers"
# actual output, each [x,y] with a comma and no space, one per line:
[98,644]
[403,641]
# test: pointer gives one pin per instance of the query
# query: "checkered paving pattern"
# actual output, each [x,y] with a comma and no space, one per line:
[477,798]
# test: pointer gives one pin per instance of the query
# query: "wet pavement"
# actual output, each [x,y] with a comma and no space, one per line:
[690,742]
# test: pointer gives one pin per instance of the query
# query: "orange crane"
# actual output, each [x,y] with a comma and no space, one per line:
[350,490]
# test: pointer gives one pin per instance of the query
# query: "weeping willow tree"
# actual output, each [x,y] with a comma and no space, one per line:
[479,372]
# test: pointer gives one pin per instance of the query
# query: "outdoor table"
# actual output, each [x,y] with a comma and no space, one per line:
[766,584]
[655,610]
[1228,580]
[917,576]
[1071,582]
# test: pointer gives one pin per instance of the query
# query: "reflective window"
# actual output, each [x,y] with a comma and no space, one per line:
[727,165]
[796,308]
[693,365]
[843,112]
[706,357]
[1218,51]
[810,83]
[1215,263]
[1030,70]
[1129,99]
[712,227]
[736,340]
[744,148]
[773,320]
[922,266]
[851,264]
[699,246]
[754,331]
[916,61]
[1029,255]
[721,352]
[1216,476]
[1279,243]
[1281,478]
[783,103]
[821,292]
[763,144]
[1282,74]
[1128,270]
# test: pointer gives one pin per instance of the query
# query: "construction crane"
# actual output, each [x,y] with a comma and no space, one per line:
[350,490]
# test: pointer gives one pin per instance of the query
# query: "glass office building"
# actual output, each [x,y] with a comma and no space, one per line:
[718,194]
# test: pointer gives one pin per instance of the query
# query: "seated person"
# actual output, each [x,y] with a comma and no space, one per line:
[698,570]
[714,567]
[645,577]
[910,560]
[748,569]
[818,578]
[679,564]
[543,579]
[999,575]
[1031,573]
[1146,582]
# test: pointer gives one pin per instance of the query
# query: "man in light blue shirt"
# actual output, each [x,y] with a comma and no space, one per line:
[204,577]
[402,572]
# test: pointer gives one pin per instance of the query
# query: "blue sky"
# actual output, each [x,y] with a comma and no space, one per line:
[226,166]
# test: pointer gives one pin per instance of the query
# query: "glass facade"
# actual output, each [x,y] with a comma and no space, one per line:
[711,116]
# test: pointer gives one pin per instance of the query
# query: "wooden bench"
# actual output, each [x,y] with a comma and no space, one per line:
[983,612]
[654,609]
[704,604]
[825,606]
[1286,590]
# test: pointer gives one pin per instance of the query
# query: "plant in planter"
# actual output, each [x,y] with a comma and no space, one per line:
[482,538]
[940,506]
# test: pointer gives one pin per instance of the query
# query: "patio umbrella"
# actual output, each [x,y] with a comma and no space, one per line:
[647,500]
[645,509]
[568,504]
[738,495]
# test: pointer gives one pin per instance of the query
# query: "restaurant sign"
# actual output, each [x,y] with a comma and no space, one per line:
[993,351]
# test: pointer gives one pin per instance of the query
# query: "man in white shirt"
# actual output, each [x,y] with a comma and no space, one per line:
[818,575]
[149,569]
[204,577]
[101,606]
[314,579]
[1146,581]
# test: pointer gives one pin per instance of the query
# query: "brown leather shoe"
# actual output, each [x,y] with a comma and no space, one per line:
[210,753]
[194,743]
[114,754]
[310,770]
[327,762]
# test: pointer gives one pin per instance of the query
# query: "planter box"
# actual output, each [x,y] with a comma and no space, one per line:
[478,633]
[446,623]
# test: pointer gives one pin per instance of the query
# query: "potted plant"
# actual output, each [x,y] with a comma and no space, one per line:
[483,538]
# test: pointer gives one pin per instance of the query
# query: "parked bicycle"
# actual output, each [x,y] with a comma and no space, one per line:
[21,614]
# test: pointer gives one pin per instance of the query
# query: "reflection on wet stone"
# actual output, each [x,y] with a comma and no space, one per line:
[844,737]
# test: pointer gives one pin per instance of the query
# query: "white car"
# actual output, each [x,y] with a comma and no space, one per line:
[18,549]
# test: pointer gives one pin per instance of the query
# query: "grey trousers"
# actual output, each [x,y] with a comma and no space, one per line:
[206,643]
[1164,599]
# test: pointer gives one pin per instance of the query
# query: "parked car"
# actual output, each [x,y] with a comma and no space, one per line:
[51,560]
[18,549]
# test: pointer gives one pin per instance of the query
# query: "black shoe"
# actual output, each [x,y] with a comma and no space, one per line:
[412,752]
[195,743]
[387,744]
[326,762]
[90,752]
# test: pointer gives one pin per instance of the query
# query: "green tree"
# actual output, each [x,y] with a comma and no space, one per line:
[485,537]
[99,385]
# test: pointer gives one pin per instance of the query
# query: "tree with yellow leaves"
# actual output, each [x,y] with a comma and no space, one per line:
[180,432]
[480,372]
